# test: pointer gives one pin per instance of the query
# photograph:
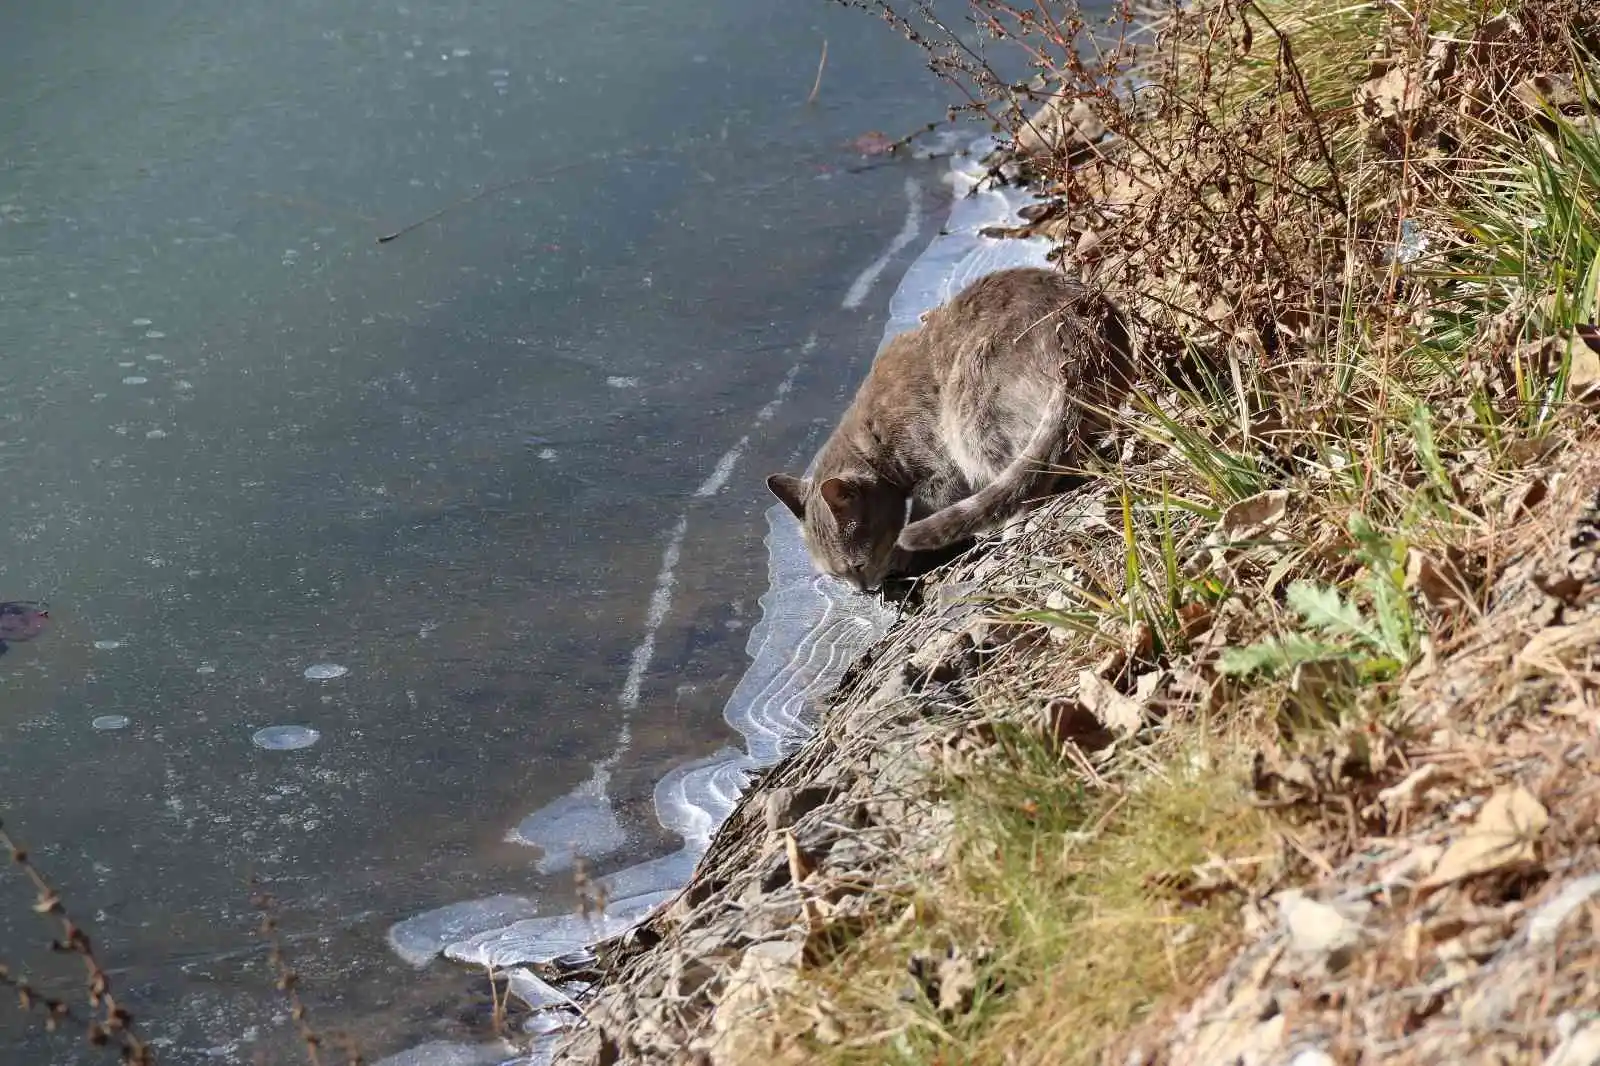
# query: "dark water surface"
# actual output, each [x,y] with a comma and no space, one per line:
[239,438]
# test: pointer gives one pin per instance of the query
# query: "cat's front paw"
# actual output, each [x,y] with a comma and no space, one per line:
[919,537]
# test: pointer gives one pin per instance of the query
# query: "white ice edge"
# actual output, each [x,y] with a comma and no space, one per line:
[811,629]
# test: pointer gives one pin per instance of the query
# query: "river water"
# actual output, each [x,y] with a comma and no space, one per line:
[417,501]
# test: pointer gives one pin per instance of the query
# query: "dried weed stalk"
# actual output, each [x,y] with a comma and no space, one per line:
[108,1023]
[287,980]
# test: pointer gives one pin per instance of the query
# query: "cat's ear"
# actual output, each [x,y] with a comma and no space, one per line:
[791,491]
[838,494]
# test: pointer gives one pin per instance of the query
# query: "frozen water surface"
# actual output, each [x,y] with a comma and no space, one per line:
[581,824]
[421,938]
[534,990]
[251,542]
[538,940]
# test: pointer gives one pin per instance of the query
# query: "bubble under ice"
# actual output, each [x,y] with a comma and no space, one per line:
[285,737]
[109,722]
[325,671]
[811,629]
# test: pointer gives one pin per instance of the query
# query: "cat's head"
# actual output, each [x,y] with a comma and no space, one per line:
[850,524]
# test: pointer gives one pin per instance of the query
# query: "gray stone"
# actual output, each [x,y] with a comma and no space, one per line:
[1545,923]
[1581,1048]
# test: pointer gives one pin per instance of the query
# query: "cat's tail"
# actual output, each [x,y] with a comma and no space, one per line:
[1029,475]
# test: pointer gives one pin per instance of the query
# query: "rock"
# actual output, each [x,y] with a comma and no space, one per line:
[944,658]
[1319,930]
[1544,925]
[1581,1048]
[958,983]
[747,994]
[786,806]
[1313,1057]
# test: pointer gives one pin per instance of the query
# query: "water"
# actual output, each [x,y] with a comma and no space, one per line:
[477,511]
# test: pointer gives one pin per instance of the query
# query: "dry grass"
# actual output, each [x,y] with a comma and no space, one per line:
[1043,874]
[1363,243]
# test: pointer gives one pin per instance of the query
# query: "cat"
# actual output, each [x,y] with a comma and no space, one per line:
[958,421]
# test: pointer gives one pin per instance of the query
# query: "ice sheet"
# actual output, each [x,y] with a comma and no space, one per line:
[536,940]
[581,824]
[418,939]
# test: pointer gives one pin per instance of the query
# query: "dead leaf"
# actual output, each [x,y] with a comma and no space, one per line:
[1070,722]
[1543,91]
[1193,619]
[958,983]
[1502,835]
[799,867]
[1524,498]
[1116,711]
[1255,515]
[873,142]
[1439,580]
[1398,92]
[1416,783]
[1583,353]
[1146,685]
[1544,654]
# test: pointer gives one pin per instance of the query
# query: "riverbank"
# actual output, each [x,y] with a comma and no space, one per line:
[1278,740]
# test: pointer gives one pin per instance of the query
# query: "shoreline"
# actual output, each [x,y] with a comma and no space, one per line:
[812,636]
[1275,743]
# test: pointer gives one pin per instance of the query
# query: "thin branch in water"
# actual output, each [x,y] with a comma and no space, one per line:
[816,86]
[527,179]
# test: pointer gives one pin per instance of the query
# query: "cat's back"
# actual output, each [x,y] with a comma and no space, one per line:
[1002,304]
[995,336]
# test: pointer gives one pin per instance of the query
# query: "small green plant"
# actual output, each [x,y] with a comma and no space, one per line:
[1379,640]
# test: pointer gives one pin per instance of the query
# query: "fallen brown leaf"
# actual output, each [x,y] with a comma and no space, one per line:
[1502,835]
